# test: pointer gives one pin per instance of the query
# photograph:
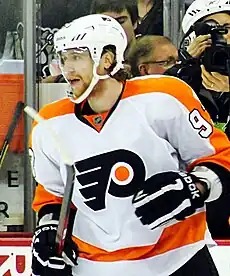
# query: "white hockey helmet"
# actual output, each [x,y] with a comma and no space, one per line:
[201,8]
[93,32]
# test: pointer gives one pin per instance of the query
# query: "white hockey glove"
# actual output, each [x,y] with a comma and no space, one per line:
[45,260]
[166,196]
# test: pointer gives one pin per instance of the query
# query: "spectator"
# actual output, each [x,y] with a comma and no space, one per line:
[119,10]
[152,55]
[148,17]
[215,97]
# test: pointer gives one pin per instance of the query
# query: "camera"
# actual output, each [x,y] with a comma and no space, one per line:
[187,69]
[217,57]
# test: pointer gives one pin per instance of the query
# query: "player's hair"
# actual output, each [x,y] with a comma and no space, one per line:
[142,50]
[117,6]
[122,74]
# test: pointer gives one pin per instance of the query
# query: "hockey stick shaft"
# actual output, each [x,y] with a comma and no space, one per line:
[68,191]
[10,132]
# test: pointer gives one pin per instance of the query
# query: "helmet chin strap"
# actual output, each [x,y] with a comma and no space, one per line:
[92,84]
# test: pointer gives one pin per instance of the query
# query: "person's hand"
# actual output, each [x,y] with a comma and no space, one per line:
[214,81]
[45,260]
[199,44]
[167,196]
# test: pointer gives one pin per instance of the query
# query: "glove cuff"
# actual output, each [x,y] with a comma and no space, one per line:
[212,180]
[49,214]
[47,220]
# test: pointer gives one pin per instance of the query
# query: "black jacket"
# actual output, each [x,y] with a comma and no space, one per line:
[152,23]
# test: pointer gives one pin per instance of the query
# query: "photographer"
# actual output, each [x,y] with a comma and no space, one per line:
[207,26]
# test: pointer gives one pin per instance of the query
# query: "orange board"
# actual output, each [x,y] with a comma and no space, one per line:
[11,91]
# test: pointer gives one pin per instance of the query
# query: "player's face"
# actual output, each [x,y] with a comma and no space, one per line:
[77,67]
[222,19]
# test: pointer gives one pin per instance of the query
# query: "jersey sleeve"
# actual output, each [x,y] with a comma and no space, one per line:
[180,118]
[46,169]
[45,159]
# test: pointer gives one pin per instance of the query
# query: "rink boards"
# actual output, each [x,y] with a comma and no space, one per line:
[15,255]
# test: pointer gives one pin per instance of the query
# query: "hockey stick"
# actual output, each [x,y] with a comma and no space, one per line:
[10,132]
[67,197]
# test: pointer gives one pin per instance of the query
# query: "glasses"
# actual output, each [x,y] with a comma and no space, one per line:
[171,61]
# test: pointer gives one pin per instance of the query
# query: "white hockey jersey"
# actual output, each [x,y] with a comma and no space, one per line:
[157,125]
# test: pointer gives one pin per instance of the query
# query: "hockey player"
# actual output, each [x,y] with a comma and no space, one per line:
[139,212]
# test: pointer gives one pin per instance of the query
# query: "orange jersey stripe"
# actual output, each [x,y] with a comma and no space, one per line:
[184,94]
[183,233]
[222,147]
[43,197]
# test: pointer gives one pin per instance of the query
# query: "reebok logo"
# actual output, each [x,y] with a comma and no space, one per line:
[194,191]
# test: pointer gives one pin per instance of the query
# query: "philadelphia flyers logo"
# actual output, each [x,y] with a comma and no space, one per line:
[117,173]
